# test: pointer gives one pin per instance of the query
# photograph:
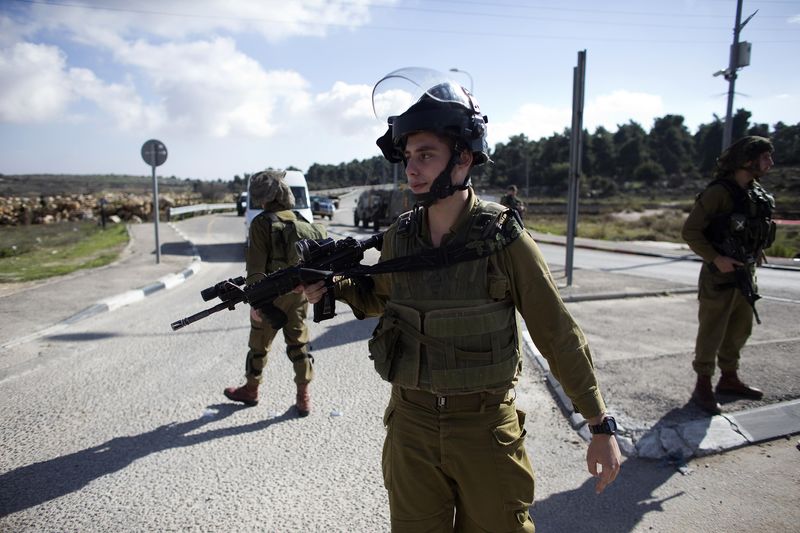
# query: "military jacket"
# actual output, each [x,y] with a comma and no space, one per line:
[262,253]
[515,278]
[729,220]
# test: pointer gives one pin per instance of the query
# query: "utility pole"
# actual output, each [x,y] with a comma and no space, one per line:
[739,58]
[575,146]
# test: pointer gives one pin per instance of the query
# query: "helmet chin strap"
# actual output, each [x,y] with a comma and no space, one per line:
[442,186]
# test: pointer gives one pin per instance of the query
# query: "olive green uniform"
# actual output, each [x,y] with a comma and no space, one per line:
[509,200]
[455,441]
[264,255]
[724,315]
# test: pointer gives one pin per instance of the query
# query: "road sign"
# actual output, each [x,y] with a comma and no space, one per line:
[154,153]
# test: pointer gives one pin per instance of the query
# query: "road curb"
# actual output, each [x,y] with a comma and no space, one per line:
[120,300]
[680,442]
[689,255]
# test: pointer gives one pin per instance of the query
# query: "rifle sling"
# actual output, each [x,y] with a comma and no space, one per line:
[426,260]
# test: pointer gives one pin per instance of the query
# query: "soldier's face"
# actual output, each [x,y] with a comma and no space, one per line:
[759,167]
[426,157]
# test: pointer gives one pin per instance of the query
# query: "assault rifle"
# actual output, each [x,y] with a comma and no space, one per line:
[743,274]
[320,260]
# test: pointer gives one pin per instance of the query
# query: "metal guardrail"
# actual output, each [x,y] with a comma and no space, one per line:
[198,208]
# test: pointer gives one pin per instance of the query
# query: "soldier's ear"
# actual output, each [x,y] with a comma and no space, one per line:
[465,157]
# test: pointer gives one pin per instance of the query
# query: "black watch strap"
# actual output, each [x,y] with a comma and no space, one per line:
[607,427]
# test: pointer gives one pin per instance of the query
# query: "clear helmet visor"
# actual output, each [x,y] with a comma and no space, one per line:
[400,89]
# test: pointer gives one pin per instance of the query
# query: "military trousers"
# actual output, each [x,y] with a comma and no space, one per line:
[295,333]
[725,322]
[456,464]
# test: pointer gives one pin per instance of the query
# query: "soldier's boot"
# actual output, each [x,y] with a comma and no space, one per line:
[704,397]
[303,399]
[729,383]
[247,393]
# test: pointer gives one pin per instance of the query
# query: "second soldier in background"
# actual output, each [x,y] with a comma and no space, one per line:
[273,234]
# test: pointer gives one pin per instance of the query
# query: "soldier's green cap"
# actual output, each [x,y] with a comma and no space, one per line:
[745,149]
[269,190]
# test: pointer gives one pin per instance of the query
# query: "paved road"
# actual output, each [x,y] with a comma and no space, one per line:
[115,423]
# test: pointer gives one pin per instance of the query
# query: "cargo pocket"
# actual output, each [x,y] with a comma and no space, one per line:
[514,470]
[383,346]
[386,457]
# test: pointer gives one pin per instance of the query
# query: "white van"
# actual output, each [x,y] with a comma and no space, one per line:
[297,182]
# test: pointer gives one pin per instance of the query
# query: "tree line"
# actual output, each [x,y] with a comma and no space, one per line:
[668,156]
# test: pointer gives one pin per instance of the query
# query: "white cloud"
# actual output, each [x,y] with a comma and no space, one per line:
[210,87]
[608,110]
[620,107]
[346,109]
[120,102]
[103,21]
[533,120]
[34,86]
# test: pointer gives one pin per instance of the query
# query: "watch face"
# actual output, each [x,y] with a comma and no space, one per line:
[607,427]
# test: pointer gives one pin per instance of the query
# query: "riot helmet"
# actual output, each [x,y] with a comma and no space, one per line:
[746,149]
[430,101]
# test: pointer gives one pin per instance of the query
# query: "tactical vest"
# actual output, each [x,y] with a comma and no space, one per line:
[748,228]
[284,234]
[449,330]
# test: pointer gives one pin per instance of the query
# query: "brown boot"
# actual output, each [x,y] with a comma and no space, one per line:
[703,396]
[729,383]
[303,399]
[247,393]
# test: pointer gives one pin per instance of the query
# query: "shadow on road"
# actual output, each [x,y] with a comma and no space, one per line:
[617,510]
[229,252]
[32,485]
[176,248]
[352,331]
[626,501]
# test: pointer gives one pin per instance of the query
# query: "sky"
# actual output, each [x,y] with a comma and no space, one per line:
[235,86]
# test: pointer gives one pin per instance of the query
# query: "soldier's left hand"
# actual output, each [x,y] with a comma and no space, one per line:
[313,292]
[603,452]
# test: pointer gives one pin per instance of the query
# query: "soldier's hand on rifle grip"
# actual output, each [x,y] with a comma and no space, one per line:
[313,291]
[726,264]
[255,316]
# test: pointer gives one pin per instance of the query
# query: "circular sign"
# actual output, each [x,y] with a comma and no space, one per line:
[154,153]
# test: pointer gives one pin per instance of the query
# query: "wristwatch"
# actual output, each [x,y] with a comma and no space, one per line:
[607,427]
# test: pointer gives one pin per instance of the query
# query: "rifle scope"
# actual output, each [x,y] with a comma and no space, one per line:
[221,289]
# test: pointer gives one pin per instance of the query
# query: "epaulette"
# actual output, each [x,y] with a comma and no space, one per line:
[495,227]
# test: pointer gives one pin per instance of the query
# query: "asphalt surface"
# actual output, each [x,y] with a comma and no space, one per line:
[651,321]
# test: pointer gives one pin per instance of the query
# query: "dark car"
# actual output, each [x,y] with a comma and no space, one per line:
[322,206]
[241,204]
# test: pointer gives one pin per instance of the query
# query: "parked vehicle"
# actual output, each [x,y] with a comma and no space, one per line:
[380,207]
[322,206]
[297,183]
[241,204]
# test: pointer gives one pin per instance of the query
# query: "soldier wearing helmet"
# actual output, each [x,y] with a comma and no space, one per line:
[448,340]
[729,227]
[271,248]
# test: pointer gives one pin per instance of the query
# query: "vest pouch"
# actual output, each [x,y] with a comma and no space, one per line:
[383,346]
[395,345]
[472,348]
